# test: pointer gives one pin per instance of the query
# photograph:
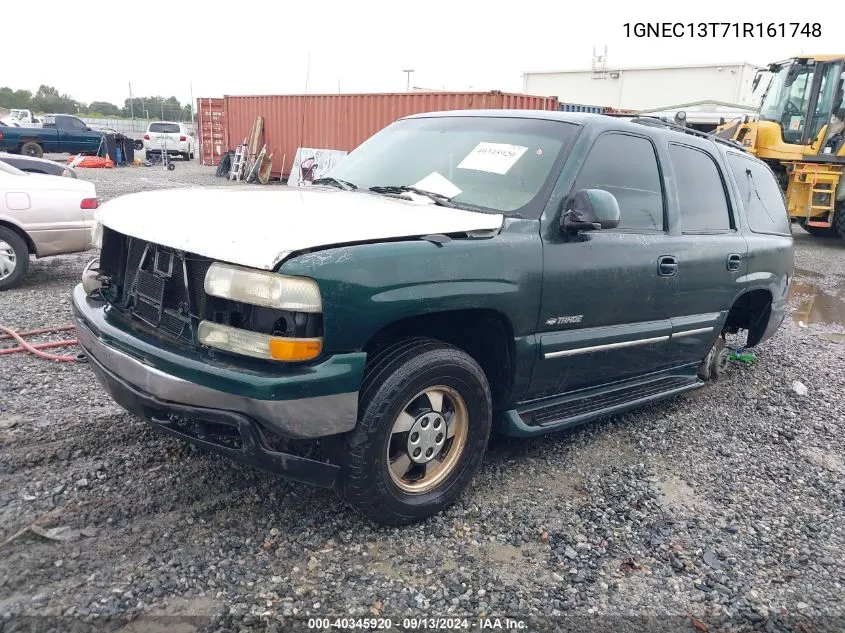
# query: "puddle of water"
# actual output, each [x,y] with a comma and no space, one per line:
[815,305]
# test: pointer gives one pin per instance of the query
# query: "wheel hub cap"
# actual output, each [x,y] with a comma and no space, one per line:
[8,261]
[426,438]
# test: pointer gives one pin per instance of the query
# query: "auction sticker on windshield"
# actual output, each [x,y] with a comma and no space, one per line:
[435,183]
[496,158]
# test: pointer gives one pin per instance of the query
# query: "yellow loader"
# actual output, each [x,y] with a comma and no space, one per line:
[800,132]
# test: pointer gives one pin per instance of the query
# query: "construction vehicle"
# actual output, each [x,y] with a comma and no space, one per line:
[800,132]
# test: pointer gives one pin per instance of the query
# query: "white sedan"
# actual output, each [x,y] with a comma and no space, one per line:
[41,215]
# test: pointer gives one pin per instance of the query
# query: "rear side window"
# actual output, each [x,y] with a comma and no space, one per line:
[166,128]
[761,196]
[701,192]
[626,166]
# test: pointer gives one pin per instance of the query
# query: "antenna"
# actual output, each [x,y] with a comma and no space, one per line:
[600,64]
[304,102]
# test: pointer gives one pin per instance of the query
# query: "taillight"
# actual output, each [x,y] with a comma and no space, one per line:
[183,138]
[146,137]
[89,203]
[1,136]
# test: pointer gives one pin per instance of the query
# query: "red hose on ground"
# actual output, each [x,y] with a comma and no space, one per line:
[50,345]
[34,350]
[46,330]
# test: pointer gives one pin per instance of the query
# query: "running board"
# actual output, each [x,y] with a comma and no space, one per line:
[562,412]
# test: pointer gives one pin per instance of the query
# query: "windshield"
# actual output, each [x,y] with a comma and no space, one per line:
[497,164]
[167,128]
[788,98]
[7,168]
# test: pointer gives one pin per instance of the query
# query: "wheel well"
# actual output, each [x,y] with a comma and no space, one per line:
[750,312]
[486,335]
[30,245]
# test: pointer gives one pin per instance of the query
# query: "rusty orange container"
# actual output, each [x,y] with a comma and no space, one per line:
[211,129]
[344,121]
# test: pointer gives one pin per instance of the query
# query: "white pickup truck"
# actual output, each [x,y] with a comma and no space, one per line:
[22,118]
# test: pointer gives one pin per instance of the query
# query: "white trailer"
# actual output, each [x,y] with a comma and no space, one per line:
[648,87]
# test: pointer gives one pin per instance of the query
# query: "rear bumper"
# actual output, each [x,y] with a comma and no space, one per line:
[170,152]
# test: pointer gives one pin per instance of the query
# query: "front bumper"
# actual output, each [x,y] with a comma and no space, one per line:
[155,383]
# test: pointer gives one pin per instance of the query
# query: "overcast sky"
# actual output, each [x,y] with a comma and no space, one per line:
[263,46]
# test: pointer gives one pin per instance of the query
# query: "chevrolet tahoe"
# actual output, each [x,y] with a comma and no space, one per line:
[458,274]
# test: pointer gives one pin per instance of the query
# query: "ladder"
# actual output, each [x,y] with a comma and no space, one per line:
[814,196]
[239,161]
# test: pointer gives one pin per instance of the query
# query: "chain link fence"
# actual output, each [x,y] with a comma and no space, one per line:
[133,128]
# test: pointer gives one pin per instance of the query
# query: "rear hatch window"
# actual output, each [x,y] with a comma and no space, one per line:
[166,128]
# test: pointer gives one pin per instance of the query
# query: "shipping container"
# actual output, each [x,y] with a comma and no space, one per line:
[343,122]
[211,129]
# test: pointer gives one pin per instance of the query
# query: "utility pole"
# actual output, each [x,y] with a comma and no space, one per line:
[191,86]
[408,72]
[162,110]
[131,106]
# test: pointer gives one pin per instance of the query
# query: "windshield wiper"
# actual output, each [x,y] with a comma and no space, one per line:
[335,182]
[437,198]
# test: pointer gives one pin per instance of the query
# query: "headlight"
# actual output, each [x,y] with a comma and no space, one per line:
[258,345]
[271,290]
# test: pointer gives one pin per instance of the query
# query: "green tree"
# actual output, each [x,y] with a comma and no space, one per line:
[47,99]
[15,98]
[105,108]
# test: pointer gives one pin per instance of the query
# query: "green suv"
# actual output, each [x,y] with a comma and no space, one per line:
[459,273]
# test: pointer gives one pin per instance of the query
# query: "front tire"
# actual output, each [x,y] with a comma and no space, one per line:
[423,426]
[14,259]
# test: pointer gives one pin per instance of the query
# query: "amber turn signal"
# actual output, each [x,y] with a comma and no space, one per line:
[295,349]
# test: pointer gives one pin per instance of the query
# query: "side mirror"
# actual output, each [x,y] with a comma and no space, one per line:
[590,210]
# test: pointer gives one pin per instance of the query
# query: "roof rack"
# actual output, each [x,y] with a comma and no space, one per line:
[655,121]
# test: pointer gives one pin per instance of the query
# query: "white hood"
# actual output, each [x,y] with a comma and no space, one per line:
[259,226]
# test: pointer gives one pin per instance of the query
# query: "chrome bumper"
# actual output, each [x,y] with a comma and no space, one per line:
[300,418]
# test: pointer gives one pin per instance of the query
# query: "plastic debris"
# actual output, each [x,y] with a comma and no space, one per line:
[743,356]
[63,533]
[800,388]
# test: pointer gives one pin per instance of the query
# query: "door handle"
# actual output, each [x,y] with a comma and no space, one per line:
[734,261]
[667,265]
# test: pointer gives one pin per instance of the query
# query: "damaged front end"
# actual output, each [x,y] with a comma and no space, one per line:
[243,374]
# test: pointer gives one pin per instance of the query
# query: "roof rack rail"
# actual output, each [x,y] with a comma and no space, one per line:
[654,121]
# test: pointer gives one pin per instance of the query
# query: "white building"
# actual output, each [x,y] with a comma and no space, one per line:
[648,87]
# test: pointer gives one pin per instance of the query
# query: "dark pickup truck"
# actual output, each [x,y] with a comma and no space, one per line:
[459,273]
[62,133]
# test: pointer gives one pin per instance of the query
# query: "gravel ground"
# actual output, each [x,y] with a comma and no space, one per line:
[720,510]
